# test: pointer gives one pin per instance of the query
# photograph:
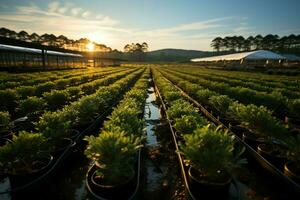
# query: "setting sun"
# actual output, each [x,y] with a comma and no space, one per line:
[90,46]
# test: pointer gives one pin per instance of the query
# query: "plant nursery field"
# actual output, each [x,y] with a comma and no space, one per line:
[149,132]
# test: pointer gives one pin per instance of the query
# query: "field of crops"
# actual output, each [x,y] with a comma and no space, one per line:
[149,132]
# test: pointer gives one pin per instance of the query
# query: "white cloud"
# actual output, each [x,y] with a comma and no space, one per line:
[99,16]
[76,11]
[75,22]
[53,6]
[86,14]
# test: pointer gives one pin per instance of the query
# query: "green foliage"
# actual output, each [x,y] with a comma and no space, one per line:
[139,95]
[4,122]
[180,108]
[221,103]
[209,150]
[127,118]
[8,99]
[204,95]
[188,123]
[44,87]
[114,153]
[56,98]
[4,118]
[31,105]
[88,88]
[61,83]
[74,92]
[25,91]
[21,155]
[294,107]
[54,126]
[87,108]
[171,96]
[260,120]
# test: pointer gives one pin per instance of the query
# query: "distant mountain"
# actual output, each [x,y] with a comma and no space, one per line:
[180,55]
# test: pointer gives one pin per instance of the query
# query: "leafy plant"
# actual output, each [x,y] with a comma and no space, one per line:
[74,92]
[23,153]
[56,99]
[88,88]
[204,95]
[25,91]
[31,105]
[221,103]
[138,94]
[210,150]
[87,108]
[126,117]
[293,150]
[54,126]
[8,99]
[294,107]
[4,121]
[171,96]
[44,87]
[179,108]
[260,120]
[114,153]
[61,83]
[188,123]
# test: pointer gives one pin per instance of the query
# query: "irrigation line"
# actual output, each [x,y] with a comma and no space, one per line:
[266,164]
[64,154]
[175,143]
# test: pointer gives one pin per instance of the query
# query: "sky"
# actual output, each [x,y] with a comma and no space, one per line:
[183,24]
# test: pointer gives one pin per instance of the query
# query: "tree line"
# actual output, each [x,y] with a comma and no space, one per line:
[285,44]
[53,40]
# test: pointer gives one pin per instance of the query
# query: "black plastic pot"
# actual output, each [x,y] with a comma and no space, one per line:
[238,130]
[83,125]
[61,147]
[208,190]
[292,170]
[74,134]
[5,137]
[224,121]
[273,156]
[20,179]
[251,139]
[293,120]
[120,191]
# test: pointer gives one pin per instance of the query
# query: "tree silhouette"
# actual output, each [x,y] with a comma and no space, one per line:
[51,40]
[285,44]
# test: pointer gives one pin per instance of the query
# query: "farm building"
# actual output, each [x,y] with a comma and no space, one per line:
[291,57]
[19,54]
[16,56]
[259,56]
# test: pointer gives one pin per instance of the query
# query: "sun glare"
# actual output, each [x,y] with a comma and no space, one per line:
[90,46]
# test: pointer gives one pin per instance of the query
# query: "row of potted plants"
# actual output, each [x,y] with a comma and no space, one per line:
[12,80]
[5,127]
[115,149]
[291,94]
[274,101]
[55,132]
[283,82]
[266,134]
[55,98]
[207,150]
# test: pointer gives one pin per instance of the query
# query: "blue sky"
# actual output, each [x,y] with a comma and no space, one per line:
[186,24]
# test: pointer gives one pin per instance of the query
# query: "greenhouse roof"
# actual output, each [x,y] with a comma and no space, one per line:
[291,57]
[32,50]
[252,55]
